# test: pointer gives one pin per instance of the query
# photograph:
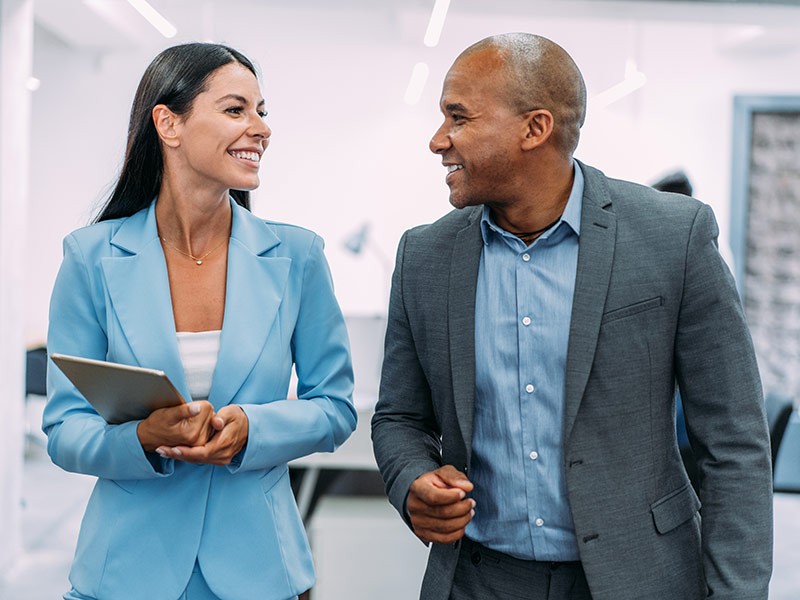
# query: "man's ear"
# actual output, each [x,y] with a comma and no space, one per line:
[166,123]
[538,128]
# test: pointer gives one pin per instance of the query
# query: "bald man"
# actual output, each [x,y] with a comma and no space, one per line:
[525,426]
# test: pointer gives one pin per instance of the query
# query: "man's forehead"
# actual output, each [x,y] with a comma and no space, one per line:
[465,85]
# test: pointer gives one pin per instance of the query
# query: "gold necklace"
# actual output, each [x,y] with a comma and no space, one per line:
[197,259]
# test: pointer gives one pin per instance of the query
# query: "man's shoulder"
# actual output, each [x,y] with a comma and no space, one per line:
[629,200]
[446,227]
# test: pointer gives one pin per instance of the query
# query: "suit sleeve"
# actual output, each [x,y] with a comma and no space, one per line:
[405,433]
[722,398]
[323,416]
[78,439]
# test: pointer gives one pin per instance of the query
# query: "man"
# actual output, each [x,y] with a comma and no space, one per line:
[525,425]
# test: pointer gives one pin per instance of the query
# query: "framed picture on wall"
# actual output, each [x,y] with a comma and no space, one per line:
[765,231]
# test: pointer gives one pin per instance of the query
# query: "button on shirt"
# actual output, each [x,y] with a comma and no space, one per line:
[522,315]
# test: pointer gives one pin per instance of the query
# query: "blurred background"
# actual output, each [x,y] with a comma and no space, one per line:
[352,89]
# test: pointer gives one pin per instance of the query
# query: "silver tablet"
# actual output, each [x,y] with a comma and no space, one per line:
[119,393]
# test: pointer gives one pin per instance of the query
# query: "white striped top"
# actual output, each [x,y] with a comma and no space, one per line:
[199,351]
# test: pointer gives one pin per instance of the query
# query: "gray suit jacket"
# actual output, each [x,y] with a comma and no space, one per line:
[654,303]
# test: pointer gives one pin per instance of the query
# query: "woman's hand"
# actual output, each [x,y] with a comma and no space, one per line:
[189,424]
[231,428]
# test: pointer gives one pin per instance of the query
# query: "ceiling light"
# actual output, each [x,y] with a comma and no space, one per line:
[419,75]
[436,24]
[634,79]
[155,18]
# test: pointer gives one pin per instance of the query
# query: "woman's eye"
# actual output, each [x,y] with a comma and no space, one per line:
[262,114]
[234,110]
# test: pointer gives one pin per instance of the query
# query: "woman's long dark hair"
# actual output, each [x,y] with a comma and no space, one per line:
[174,78]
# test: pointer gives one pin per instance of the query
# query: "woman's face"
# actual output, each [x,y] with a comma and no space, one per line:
[223,136]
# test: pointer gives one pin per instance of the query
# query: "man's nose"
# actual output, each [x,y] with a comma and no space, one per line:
[439,142]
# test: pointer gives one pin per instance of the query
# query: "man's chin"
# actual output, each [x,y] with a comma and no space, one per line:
[459,202]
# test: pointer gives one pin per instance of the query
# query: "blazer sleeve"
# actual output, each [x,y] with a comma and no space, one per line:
[323,416]
[78,439]
[405,432]
[722,399]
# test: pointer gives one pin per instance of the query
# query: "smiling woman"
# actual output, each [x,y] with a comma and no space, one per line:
[176,274]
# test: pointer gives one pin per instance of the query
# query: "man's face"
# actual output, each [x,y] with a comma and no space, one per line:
[479,139]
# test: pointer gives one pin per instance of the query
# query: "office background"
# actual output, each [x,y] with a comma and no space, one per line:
[348,157]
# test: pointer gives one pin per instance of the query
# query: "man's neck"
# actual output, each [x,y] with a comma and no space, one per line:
[541,207]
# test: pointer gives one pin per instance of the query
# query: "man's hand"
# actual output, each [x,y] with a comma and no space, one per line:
[185,425]
[231,429]
[438,506]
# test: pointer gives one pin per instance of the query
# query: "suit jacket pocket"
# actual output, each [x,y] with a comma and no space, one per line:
[675,508]
[129,485]
[271,478]
[632,309]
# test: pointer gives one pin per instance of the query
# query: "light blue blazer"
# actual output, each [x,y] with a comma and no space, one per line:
[150,518]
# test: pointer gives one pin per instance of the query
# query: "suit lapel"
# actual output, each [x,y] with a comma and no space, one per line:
[254,291]
[463,282]
[595,259]
[138,286]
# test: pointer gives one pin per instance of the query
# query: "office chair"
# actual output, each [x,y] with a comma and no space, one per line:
[36,371]
[35,385]
[779,410]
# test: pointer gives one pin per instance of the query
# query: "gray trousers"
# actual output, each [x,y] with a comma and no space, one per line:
[483,573]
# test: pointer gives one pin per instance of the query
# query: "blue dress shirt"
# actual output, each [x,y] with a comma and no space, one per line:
[522,316]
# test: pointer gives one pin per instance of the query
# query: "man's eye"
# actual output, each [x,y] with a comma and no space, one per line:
[457,118]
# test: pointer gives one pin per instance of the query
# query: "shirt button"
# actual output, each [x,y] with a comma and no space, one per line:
[526,321]
[529,388]
[539,521]
[526,257]
[534,455]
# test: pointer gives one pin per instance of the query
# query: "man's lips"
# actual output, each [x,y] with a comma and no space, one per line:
[452,169]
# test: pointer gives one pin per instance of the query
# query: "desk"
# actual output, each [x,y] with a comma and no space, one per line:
[354,455]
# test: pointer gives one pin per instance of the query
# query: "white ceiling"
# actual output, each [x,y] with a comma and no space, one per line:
[109,25]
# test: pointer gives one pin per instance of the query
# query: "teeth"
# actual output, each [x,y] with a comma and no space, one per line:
[451,168]
[254,156]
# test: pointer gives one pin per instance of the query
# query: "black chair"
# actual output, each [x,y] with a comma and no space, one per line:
[779,409]
[35,385]
[36,371]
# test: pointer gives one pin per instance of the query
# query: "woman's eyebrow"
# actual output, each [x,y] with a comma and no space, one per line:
[238,98]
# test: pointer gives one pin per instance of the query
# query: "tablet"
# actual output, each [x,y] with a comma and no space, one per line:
[119,393]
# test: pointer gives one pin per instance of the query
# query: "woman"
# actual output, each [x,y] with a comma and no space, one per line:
[176,274]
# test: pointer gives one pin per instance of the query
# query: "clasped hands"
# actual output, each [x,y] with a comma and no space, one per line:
[438,506]
[194,433]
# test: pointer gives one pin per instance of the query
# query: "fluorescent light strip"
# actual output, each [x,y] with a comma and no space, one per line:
[634,79]
[436,24]
[630,84]
[416,85]
[155,18]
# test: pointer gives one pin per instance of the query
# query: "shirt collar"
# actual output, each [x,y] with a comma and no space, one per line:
[571,215]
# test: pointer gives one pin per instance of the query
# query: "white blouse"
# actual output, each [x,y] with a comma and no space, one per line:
[199,351]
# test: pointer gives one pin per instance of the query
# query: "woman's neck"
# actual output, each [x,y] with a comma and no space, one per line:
[194,222]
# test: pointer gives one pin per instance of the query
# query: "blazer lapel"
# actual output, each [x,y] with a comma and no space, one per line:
[138,287]
[595,258]
[255,287]
[464,266]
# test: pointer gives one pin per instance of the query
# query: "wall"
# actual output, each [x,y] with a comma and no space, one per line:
[16,41]
[347,150]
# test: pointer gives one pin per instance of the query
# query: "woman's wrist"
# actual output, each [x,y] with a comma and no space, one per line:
[145,439]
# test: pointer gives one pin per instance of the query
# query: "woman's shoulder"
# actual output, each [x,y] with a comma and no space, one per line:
[95,235]
[294,238]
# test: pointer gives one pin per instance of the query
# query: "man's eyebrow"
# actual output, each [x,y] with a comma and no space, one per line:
[238,98]
[455,107]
